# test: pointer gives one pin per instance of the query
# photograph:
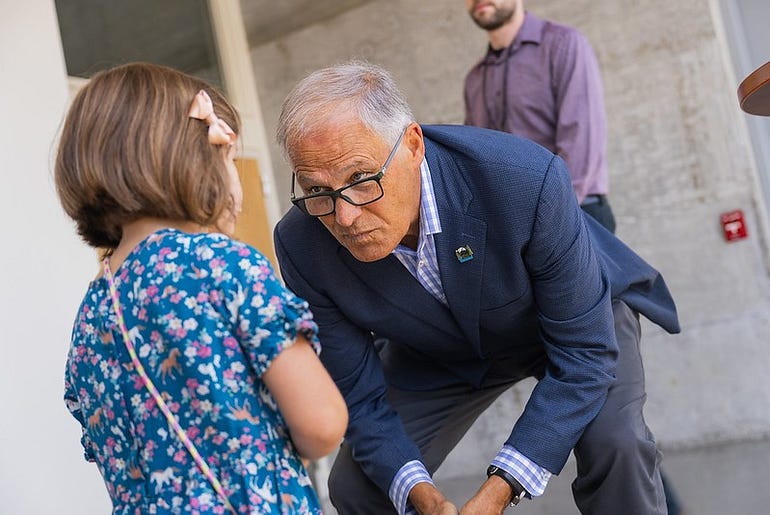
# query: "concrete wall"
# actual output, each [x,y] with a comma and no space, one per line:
[679,156]
[45,270]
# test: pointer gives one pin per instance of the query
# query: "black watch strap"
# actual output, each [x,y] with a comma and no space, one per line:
[518,491]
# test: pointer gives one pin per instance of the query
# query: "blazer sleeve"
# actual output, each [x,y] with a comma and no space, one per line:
[375,433]
[572,295]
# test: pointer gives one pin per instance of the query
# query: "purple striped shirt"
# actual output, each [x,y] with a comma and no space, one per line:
[546,87]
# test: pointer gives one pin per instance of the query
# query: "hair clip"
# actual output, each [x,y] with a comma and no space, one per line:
[202,108]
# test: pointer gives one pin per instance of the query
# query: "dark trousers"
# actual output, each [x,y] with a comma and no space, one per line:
[617,460]
[599,208]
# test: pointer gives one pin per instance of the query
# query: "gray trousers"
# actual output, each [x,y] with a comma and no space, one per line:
[617,459]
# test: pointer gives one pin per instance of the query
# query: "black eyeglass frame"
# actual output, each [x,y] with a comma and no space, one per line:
[338,193]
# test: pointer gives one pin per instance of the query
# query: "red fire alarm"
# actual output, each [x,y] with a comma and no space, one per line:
[734,225]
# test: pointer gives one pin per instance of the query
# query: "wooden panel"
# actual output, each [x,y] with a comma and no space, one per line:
[252,226]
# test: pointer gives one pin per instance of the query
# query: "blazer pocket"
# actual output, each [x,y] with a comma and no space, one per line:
[515,315]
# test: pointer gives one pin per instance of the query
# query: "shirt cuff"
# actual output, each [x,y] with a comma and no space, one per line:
[409,475]
[532,476]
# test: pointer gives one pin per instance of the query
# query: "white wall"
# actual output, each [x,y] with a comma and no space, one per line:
[45,270]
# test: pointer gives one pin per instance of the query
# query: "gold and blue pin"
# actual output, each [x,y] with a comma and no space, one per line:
[464,253]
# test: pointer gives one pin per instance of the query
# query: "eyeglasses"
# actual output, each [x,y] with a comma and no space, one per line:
[358,193]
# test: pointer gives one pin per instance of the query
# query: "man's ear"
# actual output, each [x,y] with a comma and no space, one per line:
[413,140]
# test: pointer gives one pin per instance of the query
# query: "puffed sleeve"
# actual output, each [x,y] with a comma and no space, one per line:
[268,317]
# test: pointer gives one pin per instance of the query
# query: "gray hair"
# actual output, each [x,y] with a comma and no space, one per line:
[356,86]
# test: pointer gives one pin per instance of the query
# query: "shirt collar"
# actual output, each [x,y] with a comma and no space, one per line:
[430,223]
[531,31]
[429,220]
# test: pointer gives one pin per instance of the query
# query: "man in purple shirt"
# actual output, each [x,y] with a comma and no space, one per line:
[541,80]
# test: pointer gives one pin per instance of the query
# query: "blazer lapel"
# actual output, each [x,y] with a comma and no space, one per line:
[461,278]
[390,279]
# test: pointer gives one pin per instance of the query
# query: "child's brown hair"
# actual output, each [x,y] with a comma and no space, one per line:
[129,150]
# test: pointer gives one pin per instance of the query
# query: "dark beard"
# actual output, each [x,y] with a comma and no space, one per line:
[500,18]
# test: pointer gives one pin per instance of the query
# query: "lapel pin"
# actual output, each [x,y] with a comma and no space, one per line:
[464,253]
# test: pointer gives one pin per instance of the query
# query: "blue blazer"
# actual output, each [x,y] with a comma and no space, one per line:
[538,290]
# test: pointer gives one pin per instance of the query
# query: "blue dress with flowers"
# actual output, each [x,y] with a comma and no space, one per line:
[207,317]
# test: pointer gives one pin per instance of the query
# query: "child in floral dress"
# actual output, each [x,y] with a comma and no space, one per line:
[145,169]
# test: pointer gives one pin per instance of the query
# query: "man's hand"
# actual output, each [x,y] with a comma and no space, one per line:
[491,499]
[427,500]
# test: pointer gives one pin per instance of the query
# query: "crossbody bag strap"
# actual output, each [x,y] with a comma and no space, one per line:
[172,421]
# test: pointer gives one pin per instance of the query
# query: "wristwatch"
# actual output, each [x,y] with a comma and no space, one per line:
[518,490]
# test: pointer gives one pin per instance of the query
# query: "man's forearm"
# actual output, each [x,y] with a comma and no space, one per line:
[492,498]
[428,500]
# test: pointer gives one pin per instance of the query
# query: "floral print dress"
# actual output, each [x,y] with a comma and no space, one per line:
[207,317]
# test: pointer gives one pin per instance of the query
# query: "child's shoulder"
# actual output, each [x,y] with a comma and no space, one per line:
[211,250]
[229,251]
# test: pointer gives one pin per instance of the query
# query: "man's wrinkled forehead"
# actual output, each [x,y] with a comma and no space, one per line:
[319,123]
[342,141]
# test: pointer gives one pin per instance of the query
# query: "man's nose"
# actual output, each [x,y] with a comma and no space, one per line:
[346,213]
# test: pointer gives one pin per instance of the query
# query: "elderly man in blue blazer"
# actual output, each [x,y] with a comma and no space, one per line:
[443,264]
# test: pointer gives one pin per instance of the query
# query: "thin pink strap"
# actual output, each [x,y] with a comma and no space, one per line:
[202,465]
